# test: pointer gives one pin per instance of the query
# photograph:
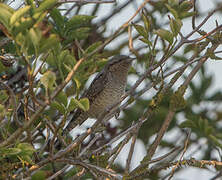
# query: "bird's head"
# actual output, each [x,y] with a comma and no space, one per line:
[119,63]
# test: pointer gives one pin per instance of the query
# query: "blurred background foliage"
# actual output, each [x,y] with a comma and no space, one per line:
[41,41]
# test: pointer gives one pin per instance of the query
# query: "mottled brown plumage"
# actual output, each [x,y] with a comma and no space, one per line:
[105,90]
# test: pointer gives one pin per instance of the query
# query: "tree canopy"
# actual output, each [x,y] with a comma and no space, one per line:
[49,51]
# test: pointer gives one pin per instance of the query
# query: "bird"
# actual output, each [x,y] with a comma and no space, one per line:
[105,90]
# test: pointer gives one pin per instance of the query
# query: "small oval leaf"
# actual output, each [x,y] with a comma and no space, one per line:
[59,107]
[165,34]
[18,14]
[85,103]
[141,30]
[48,79]
[175,25]
[82,104]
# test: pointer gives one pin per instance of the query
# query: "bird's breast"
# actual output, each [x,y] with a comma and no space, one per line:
[110,95]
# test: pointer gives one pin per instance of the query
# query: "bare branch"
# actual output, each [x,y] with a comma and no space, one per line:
[130,154]
[185,149]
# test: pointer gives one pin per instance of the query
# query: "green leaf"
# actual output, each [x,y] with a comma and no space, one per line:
[215,140]
[173,11]
[48,79]
[77,82]
[45,5]
[209,130]
[186,6]
[26,159]
[85,103]
[20,40]
[78,104]
[27,151]
[62,98]
[81,33]
[188,124]
[26,148]
[72,105]
[186,14]
[35,37]
[6,7]
[51,60]
[18,14]
[49,43]
[57,106]
[5,16]
[24,24]
[9,151]
[63,55]
[177,101]
[141,30]
[78,21]
[180,58]
[173,2]
[206,127]
[57,18]
[212,55]
[70,60]
[92,47]
[149,43]
[188,48]
[165,34]
[82,104]
[66,58]
[175,25]
[147,22]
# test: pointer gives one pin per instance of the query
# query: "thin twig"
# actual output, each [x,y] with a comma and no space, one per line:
[118,150]
[57,173]
[206,35]
[97,136]
[184,150]
[130,154]
[186,162]
[203,22]
[155,160]
[161,133]
[99,170]
[194,16]
[117,137]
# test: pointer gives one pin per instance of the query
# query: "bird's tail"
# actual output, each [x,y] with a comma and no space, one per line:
[78,118]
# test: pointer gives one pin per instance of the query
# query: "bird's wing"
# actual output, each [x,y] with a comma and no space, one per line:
[96,87]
